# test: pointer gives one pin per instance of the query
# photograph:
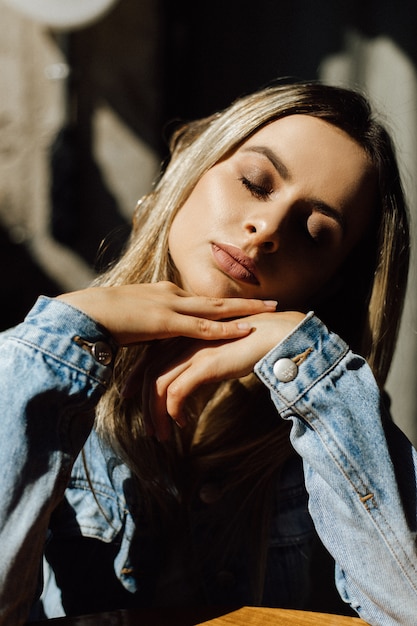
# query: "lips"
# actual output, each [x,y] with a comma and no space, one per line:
[235,263]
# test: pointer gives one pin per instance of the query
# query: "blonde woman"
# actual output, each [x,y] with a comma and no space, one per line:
[170,420]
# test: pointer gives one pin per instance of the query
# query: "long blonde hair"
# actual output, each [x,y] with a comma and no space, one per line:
[242,437]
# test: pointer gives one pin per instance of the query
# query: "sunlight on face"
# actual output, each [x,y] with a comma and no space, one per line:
[278,217]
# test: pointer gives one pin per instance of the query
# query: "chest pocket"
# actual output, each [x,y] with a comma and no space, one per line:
[90,536]
[91,511]
[94,504]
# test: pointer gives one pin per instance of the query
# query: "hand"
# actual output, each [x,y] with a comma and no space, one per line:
[169,377]
[143,312]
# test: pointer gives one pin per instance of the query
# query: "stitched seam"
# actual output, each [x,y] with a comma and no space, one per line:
[99,489]
[289,403]
[59,360]
[376,509]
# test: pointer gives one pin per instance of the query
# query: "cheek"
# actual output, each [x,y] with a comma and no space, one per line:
[192,211]
[177,238]
[183,222]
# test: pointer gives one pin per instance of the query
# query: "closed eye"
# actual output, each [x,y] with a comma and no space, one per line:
[323,230]
[261,192]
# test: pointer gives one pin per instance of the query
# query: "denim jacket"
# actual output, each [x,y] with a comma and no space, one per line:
[354,477]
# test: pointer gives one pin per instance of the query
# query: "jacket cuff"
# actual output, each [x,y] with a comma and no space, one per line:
[69,335]
[301,360]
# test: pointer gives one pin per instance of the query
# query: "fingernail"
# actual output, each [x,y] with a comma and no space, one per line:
[271,303]
[244,325]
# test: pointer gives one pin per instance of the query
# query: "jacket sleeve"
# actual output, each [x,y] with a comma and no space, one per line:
[360,470]
[49,386]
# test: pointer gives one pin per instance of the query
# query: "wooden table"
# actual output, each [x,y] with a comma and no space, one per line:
[253,616]
[245,616]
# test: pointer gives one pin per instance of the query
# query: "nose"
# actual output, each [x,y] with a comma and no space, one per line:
[264,230]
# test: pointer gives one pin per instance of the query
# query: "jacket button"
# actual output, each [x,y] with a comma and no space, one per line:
[100,350]
[285,370]
[210,493]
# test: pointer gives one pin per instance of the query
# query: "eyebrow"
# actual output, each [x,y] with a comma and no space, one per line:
[284,172]
[325,209]
[273,158]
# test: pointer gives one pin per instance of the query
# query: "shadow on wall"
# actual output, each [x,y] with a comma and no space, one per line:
[22,281]
[156,62]
[236,47]
[152,62]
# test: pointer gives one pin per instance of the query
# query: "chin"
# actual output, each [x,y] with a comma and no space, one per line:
[219,290]
[213,285]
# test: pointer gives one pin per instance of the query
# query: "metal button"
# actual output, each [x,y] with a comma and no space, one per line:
[100,350]
[210,493]
[285,370]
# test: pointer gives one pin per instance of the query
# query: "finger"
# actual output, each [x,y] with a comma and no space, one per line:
[156,395]
[203,368]
[170,325]
[222,308]
[165,361]
[157,352]
[142,378]
[202,328]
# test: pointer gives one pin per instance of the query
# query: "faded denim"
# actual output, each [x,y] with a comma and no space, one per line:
[100,554]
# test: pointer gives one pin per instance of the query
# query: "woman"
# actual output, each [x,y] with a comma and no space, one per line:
[187,490]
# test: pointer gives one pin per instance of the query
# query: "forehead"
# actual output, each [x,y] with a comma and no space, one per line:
[307,136]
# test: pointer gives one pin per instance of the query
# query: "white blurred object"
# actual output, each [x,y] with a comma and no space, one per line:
[63,14]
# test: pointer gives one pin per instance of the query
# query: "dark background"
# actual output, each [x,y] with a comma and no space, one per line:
[204,55]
